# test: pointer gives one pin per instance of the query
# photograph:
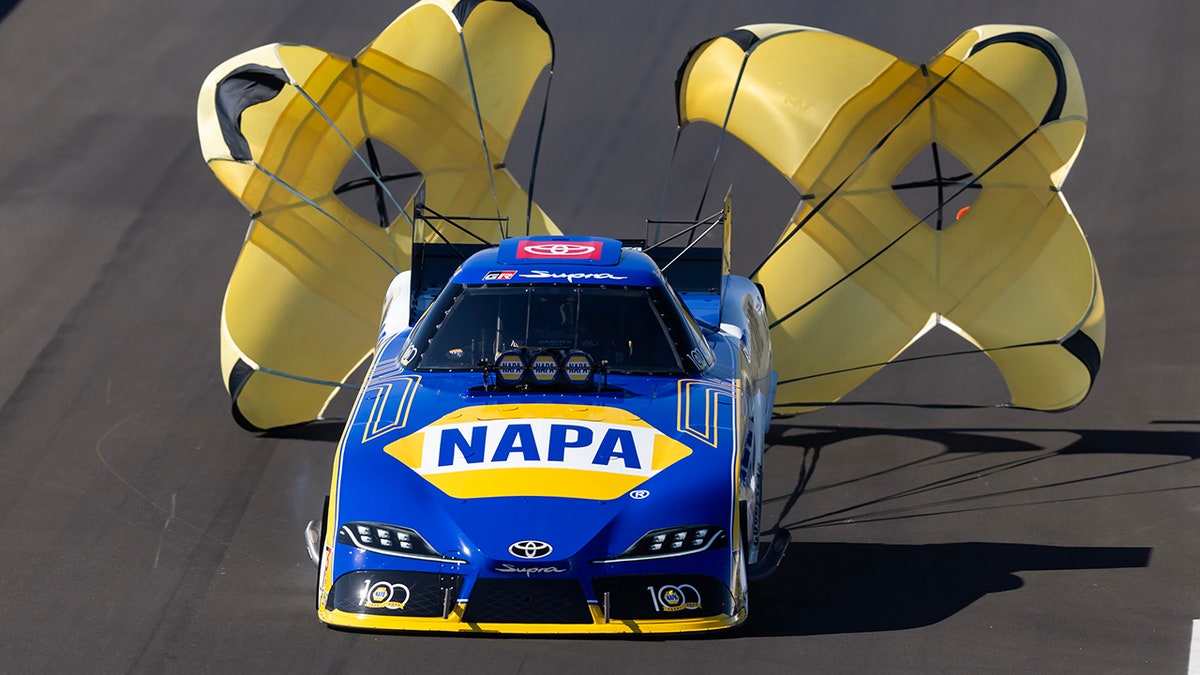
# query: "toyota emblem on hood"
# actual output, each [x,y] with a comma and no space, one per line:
[530,549]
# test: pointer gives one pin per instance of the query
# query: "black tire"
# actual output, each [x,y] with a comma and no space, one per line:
[321,551]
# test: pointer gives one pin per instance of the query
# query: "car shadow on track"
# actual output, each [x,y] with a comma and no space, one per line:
[832,587]
[324,431]
[827,588]
[7,6]
[1014,450]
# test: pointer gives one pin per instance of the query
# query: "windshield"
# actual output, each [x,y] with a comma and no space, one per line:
[623,326]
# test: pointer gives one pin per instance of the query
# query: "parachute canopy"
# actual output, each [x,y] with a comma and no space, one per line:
[857,275]
[443,86]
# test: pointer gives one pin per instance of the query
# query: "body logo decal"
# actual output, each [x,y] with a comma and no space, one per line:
[573,250]
[509,568]
[550,450]
[530,549]
[674,598]
[382,595]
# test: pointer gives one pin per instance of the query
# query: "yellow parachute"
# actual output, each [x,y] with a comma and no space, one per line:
[443,86]
[857,276]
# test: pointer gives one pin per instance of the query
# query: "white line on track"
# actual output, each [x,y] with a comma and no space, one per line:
[1194,654]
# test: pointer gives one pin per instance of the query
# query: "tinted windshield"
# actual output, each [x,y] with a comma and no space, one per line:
[623,326]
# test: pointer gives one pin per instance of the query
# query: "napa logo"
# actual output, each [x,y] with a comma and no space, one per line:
[549,450]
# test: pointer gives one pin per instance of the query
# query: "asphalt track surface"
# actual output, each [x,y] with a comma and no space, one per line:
[142,531]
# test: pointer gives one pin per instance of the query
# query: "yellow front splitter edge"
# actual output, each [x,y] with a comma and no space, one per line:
[455,624]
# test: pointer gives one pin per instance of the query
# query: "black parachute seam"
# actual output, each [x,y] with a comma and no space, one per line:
[357,183]
[941,187]
[462,11]
[239,375]
[742,38]
[1083,347]
[679,74]
[1041,44]
[946,181]
[242,88]
[380,195]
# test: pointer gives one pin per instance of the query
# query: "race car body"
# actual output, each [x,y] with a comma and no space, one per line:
[560,444]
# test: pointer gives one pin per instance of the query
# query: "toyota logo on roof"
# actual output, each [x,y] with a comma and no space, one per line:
[558,249]
[530,549]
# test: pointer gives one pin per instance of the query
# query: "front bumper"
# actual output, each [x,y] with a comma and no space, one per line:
[408,601]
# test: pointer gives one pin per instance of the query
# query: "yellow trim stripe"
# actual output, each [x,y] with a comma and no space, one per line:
[402,387]
[710,394]
[454,624]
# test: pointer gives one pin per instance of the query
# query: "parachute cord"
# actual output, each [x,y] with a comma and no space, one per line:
[895,404]
[937,159]
[487,155]
[325,213]
[825,200]
[379,184]
[846,276]
[376,171]
[808,466]
[662,200]
[309,380]
[724,129]
[941,187]
[366,127]
[692,241]
[460,228]
[691,227]
[537,151]
[884,513]
[1005,155]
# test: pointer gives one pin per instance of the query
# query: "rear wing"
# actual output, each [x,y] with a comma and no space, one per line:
[697,269]
[693,268]
[440,244]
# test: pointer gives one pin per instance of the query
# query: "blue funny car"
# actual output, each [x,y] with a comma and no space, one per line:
[561,443]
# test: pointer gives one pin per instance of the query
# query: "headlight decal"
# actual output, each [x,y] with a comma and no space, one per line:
[390,540]
[671,542]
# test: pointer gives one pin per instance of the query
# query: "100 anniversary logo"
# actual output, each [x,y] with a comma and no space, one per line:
[382,595]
